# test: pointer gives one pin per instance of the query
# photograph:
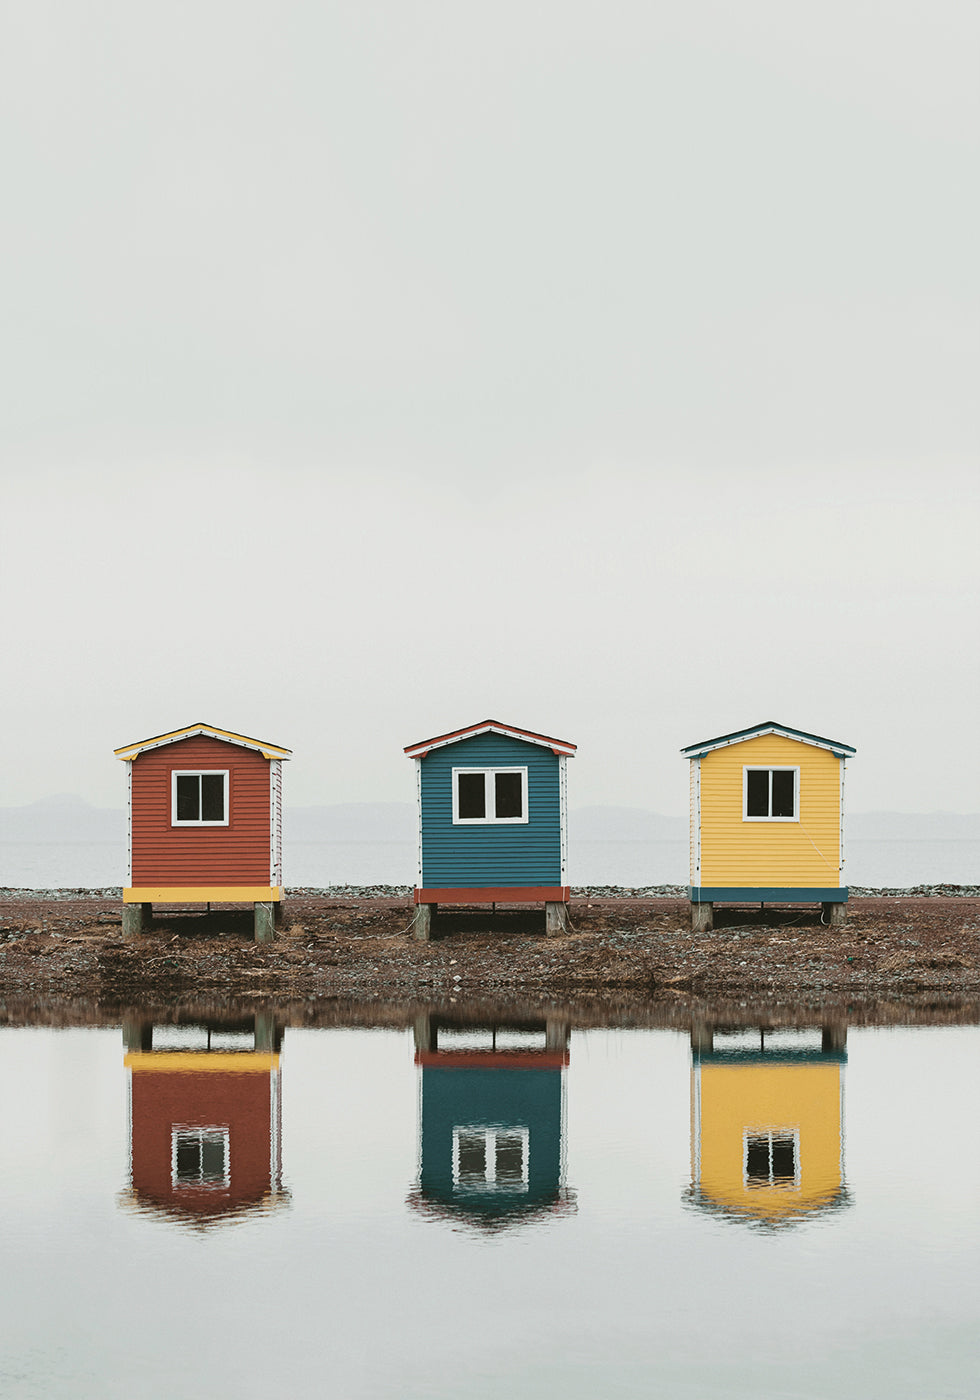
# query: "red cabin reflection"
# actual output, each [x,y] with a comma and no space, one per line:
[205,1117]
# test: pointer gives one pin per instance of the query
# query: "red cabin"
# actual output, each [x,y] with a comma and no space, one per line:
[205,823]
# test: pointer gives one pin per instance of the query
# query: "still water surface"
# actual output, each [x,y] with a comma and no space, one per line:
[504,1209]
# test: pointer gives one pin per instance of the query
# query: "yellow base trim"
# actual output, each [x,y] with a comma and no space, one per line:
[201,1061]
[202,894]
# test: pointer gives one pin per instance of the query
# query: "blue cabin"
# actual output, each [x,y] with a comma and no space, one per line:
[492,820]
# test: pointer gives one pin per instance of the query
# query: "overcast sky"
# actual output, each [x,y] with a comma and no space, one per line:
[373,368]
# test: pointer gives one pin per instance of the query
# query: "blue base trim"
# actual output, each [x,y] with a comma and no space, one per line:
[713,894]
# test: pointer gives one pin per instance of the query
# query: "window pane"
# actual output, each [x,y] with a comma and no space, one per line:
[782,794]
[757,1158]
[188,1157]
[212,797]
[509,794]
[188,798]
[472,1159]
[213,1159]
[472,794]
[757,792]
[783,1159]
[510,1159]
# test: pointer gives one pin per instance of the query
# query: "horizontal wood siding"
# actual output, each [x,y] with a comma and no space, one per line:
[803,854]
[474,856]
[236,854]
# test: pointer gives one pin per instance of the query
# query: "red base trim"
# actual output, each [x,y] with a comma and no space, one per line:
[489,1059]
[507,894]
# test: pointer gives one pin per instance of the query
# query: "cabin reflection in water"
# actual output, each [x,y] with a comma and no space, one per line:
[491,1121]
[767,1122]
[205,1117]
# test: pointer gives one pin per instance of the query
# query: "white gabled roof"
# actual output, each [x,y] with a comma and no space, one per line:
[562,747]
[769,726]
[130,751]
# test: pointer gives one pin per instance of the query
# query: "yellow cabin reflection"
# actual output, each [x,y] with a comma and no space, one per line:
[767,1122]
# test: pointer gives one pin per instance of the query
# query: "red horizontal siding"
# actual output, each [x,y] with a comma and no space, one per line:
[236,854]
[240,1102]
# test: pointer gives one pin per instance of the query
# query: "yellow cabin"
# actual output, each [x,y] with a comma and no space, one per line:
[767,1131]
[767,820]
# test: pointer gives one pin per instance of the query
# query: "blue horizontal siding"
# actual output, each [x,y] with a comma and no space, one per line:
[457,857]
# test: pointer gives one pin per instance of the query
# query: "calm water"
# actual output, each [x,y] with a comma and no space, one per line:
[499,1210]
[633,863]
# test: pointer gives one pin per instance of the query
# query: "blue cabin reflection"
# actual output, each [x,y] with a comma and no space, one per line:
[491,1121]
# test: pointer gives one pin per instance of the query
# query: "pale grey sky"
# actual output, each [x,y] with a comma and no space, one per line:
[608,369]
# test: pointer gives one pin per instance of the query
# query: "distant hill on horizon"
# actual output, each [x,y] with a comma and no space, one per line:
[66,817]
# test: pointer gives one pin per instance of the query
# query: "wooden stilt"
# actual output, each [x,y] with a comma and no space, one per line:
[265,924]
[425,916]
[702,917]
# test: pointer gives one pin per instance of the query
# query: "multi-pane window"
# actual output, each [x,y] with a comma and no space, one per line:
[489,795]
[771,794]
[772,1158]
[200,799]
[490,1159]
[200,1157]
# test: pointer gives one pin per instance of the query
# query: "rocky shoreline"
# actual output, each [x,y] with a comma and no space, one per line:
[634,950]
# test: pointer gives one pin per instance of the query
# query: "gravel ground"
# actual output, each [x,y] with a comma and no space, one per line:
[634,951]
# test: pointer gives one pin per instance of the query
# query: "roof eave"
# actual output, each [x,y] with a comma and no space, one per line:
[741,736]
[562,747]
[128,752]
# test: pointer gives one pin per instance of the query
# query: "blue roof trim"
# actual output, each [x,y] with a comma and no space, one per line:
[767,727]
[783,1056]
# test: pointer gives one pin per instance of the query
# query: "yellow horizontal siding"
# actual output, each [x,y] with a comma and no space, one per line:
[740,1099]
[738,853]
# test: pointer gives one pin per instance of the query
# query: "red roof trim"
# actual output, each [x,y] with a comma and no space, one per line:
[419,750]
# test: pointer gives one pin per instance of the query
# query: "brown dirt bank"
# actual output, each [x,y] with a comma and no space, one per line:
[629,959]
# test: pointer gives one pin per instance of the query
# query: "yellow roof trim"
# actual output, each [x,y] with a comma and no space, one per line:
[267,750]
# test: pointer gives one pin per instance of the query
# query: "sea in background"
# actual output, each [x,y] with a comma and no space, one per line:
[64,842]
[96,864]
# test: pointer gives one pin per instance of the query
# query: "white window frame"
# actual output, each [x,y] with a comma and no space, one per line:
[197,773]
[770,768]
[773,1183]
[193,1130]
[490,800]
[489,1135]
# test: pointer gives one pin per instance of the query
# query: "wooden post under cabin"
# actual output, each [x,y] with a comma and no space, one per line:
[422,924]
[265,922]
[555,918]
[135,918]
[702,917]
